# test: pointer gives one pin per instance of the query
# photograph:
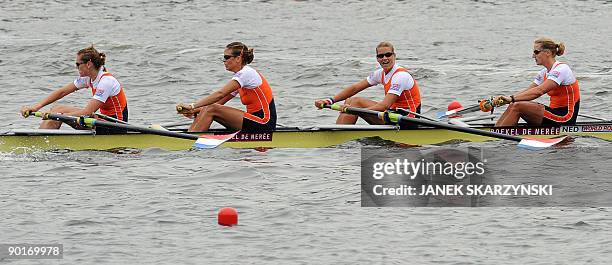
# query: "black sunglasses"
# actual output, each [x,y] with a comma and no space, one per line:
[227,57]
[79,64]
[536,52]
[383,55]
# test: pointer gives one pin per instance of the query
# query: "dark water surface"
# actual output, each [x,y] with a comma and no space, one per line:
[295,205]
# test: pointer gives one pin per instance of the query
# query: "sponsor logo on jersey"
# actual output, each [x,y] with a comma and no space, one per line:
[395,87]
[539,78]
[554,74]
[372,76]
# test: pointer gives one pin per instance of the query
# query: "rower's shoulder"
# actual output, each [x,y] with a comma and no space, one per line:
[403,73]
[561,66]
[248,69]
[108,80]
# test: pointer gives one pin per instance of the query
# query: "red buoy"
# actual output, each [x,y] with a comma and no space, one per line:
[454,105]
[228,216]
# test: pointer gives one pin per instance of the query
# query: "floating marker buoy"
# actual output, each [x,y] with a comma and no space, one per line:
[228,216]
[454,105]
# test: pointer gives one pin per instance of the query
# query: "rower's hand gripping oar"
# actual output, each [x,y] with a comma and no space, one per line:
[26,113]
[528,143]
[202,141]
[182,107]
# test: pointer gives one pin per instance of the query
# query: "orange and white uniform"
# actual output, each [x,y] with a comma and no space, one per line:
[564,97]
[256,94]
[399,82]
[106,89]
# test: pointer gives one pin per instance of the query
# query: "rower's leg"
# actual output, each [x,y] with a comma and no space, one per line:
[51,124]
[357,102]
[229,117]
[531,112]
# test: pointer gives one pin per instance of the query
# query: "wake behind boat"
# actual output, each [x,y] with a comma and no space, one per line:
[25,140]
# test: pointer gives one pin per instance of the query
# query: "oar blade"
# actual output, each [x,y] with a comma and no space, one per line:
[158,126]
[212,141]
[540,143]
[444,114]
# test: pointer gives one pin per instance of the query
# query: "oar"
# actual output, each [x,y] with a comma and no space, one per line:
[153,126]
[417,114]
[203,141]
[484,105]
[172,124]
[529,143]
[593,117]
[109,118]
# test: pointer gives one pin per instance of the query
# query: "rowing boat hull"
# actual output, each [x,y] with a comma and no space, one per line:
[311,138]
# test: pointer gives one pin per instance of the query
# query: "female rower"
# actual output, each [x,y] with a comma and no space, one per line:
[108,94]
[557,80]
[255,94]
[401,91]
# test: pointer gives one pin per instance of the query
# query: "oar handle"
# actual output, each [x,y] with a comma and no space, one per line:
[27,113]
[40,114]
[488,105]
[181,109]
[500,102]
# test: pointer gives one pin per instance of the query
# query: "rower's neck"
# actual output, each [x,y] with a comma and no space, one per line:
[549,64]
[238,69]
[94,74]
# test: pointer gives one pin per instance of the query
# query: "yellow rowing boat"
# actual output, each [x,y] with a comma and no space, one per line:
[294,137]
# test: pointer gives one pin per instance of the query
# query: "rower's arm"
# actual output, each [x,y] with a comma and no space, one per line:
[386,103]
[351,90]
[534,91]
[532,85]
[92,106]
[225,99]
[54,96]
[190,113]
[219,95]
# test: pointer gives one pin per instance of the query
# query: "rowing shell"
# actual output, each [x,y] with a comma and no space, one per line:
[312,137]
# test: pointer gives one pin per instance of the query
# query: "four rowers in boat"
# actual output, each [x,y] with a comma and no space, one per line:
[401,93]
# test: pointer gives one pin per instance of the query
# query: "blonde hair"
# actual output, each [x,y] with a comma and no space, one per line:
[385,44]
[551,45]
